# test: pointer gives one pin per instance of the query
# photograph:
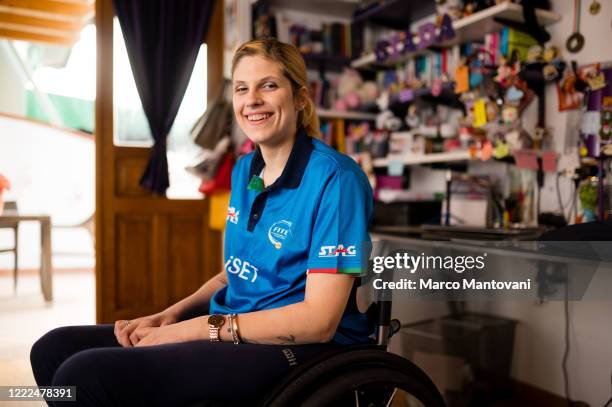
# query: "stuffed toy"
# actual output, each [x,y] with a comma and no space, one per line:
[353,92]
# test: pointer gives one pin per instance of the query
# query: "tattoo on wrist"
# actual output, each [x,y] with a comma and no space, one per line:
[286,340]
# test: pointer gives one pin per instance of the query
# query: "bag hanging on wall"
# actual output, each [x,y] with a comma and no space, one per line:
[214,123]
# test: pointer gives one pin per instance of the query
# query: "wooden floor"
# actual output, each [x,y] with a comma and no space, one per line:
[24,317]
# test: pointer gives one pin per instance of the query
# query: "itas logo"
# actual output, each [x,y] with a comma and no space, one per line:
[335,251]
[232,215]
[279,231]
[242,268]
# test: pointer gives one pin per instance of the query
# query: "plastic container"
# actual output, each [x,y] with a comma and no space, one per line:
[484,341]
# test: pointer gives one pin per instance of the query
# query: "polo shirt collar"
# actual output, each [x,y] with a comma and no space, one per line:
[296,164]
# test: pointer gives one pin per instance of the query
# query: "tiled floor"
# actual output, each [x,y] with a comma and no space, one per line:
[24,317]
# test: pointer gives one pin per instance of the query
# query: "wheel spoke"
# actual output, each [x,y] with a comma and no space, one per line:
[391,397]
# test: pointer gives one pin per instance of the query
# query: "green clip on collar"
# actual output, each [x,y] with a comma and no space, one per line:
[256,184]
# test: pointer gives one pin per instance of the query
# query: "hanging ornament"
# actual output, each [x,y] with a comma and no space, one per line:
[575,42]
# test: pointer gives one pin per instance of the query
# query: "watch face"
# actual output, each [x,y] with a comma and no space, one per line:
[216,320]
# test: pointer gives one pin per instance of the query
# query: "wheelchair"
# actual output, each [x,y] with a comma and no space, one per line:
[358,375]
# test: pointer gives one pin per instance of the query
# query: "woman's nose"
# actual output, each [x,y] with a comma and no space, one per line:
[253,98]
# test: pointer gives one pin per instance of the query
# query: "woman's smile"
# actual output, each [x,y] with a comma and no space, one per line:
[257,119]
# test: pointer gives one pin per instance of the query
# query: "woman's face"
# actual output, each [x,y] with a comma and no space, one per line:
[263,101]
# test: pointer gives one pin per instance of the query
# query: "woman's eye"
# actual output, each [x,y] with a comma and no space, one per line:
[240,89]
[269,85]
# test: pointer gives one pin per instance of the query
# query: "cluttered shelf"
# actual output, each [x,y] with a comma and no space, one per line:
[416,159]
[347,115]
[467,29]
[459,79]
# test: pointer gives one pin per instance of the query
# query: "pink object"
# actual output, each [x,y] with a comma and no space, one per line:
[247,147]
[527,159]
[352,100]
[549,161]
[340,105]
[436,88]
[389,181]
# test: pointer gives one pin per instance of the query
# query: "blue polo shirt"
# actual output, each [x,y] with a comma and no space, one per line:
[313,219]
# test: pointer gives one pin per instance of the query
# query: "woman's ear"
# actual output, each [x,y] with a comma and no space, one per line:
[301,99]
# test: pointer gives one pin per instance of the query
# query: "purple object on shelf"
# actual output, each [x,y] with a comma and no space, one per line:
[595,100]
[406,95]
[607,91]
[427,35]
[591,141]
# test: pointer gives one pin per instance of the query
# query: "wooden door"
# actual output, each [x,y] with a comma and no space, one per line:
[150,251]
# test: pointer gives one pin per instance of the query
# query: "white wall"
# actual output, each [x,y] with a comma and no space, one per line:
[12,90]
[597,31]
[52,172]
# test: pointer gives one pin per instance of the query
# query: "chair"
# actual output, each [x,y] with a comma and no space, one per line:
[10,208]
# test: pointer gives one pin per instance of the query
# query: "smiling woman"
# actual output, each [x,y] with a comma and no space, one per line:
[293,247]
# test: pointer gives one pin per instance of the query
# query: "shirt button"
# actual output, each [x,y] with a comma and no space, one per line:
[256,216]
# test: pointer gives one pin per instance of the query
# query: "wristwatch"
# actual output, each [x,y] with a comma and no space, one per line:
[215,322]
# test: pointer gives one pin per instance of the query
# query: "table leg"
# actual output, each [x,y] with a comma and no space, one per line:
[46,283]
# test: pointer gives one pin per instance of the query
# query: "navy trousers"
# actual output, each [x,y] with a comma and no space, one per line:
[180,374]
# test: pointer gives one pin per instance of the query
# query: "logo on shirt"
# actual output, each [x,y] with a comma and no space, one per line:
[242,268]
[232,215]
[278,232]
[335,251]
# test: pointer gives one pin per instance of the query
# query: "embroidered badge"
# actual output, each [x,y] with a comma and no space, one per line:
[279,231]
[232,215]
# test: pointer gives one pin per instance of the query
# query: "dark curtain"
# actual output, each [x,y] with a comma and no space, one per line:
[162,38]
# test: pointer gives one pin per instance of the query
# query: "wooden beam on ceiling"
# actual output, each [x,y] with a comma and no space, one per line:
[60,10]
[29,21]
[34,37]
[52,32]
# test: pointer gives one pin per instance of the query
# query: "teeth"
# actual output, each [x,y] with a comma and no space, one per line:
[256,117]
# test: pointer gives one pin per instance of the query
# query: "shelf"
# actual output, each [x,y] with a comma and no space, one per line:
[342,9]
[336,114]
[397,14]
[467,29]
[326,61]
[416,159]
[369,60]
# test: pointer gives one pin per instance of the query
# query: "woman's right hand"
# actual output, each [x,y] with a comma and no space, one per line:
[129,334]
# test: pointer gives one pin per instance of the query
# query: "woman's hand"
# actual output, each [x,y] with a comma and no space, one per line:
[128,334]
[189,330]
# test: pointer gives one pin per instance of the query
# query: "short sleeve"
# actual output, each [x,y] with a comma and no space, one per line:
[340,235]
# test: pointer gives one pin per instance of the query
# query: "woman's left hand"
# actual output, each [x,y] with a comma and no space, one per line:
[189,330]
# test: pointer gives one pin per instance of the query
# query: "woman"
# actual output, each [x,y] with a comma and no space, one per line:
[297,220]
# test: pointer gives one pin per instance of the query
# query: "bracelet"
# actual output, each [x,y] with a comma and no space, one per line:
[233,320]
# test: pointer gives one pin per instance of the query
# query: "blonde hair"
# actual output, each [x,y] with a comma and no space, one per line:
[293,67]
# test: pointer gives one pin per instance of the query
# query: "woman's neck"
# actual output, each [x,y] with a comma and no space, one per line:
[275,158]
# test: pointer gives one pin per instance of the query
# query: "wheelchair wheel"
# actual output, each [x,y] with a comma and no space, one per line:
[367,377]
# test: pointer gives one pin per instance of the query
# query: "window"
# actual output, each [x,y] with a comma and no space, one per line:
[132,127]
